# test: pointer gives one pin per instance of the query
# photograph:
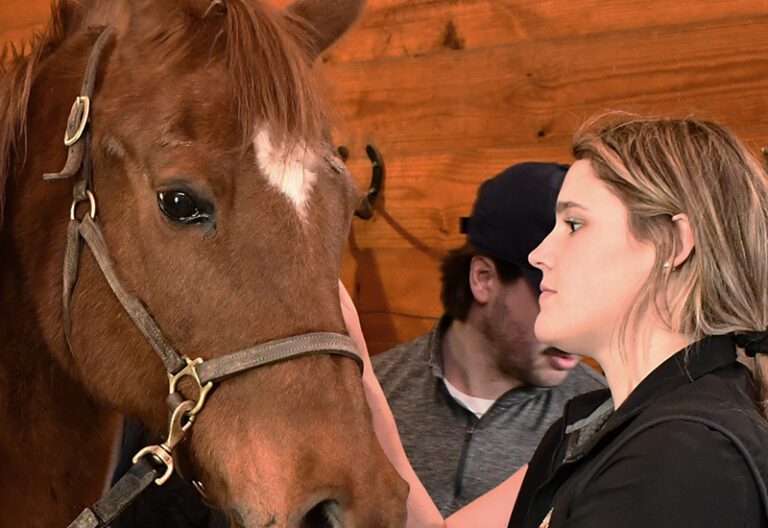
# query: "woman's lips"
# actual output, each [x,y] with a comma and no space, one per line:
[545,294]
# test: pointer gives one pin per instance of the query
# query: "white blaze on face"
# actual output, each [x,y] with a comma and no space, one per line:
[289,172]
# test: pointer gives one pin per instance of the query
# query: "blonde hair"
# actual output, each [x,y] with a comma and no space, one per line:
[663,167]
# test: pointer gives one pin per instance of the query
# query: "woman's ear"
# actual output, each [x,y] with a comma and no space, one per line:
[684,243]
[482,278]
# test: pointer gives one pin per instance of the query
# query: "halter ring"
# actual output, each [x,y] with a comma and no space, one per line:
[91,201]
[191,371]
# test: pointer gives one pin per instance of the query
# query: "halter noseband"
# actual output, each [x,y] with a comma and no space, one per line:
[204,373]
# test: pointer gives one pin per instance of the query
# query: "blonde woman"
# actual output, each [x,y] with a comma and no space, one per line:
[657,268]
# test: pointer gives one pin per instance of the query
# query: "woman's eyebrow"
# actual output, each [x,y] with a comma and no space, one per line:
[562,206]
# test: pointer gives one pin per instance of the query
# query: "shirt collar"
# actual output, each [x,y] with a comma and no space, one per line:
[435,358]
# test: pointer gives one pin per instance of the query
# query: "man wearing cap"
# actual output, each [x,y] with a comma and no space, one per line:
[473,397]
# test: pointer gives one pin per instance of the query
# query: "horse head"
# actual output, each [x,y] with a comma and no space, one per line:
[223,211]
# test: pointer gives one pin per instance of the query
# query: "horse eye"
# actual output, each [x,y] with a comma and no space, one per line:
[180,206]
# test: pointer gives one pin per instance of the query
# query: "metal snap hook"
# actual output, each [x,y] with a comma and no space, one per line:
[163,453]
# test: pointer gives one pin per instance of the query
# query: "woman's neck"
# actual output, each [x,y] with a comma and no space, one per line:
[628,363]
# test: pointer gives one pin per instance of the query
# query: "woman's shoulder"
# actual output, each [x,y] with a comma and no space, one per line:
[724,397]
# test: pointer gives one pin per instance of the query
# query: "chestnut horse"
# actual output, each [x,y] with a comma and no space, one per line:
[212,183]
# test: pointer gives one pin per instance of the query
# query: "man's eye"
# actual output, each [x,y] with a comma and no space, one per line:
[181,206]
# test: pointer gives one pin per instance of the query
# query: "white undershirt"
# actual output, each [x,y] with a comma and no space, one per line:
[473,404]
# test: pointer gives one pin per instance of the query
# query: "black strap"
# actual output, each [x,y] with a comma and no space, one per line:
[141,475]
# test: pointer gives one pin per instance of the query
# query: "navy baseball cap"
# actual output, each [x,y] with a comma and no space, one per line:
[514,211]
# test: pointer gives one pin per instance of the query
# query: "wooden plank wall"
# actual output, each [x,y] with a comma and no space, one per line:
[453,91]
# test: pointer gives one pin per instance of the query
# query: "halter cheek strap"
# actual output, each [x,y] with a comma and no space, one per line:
[153,463]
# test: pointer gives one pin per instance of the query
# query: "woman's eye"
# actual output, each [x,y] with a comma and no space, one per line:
[574,225]
[180,206]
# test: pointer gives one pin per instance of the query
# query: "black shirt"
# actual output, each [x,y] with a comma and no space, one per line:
[688,448]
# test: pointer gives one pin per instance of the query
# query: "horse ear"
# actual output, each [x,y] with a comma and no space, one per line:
[327,20]
[205,8]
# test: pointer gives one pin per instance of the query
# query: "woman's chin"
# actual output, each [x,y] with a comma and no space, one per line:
[546,333]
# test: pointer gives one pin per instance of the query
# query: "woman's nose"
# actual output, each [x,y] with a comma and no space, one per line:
[540,257]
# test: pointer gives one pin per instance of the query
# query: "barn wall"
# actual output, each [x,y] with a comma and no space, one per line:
[452,91]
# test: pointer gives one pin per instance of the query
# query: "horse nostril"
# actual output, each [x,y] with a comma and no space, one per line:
[325,514]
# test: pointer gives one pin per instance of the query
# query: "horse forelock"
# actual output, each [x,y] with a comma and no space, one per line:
[266,52]
[267,55]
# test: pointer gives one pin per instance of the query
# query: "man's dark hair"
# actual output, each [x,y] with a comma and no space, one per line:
[455,293]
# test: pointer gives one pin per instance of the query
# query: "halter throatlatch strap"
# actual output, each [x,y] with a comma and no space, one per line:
[149,461]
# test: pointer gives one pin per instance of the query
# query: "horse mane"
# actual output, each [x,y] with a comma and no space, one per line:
[267,54]
[17,67]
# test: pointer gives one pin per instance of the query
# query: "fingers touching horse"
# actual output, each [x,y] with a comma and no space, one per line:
[223,213]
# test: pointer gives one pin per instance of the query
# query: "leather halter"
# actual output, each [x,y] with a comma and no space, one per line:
[153,463]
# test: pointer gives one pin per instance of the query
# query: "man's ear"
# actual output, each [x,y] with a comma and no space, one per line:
[483,278]
[684,241]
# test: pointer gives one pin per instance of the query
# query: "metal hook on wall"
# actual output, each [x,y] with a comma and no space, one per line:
[364,209]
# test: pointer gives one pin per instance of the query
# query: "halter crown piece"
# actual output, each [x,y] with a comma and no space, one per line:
[753,343]
[154,463]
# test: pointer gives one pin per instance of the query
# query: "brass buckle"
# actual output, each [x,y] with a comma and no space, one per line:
[191,371]
[82,104]
[163,453]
